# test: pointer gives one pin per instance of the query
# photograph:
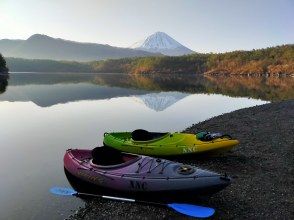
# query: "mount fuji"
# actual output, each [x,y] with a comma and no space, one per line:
[160,42]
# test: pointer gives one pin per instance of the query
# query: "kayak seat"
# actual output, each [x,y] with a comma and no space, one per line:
[106,156]
[143,135]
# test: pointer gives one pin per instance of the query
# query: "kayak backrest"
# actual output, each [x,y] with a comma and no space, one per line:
[143,135]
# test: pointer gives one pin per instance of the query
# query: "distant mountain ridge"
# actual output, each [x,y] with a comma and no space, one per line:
[40,46]
[160,42]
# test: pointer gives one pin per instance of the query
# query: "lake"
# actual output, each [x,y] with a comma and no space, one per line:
[43,114]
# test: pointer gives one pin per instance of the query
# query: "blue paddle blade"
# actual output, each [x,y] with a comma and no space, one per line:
[63,191]
[192,210]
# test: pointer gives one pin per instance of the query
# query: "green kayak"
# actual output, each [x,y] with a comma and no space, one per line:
[168,144]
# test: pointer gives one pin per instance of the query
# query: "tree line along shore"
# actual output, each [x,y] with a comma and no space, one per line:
[3,67]
[272,61]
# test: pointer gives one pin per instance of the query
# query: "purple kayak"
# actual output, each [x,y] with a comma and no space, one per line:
[105,167]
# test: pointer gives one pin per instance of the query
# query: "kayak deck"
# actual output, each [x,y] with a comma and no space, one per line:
[143,174]
[168,144]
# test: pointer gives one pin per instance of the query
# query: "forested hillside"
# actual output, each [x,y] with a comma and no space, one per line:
[36,65]
[273,60]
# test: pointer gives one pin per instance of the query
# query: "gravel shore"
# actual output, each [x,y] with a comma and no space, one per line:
[262,167]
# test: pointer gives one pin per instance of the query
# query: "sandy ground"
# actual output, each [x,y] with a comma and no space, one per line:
[262,168]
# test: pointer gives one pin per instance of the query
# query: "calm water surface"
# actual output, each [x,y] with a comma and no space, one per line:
[42,115]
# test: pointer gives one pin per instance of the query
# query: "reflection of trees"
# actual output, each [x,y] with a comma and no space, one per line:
[266,88]
[49,78]
[3,83]
[155,82]
[271,88]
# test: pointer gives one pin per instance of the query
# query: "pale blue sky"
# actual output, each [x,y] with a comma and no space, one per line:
[202,25]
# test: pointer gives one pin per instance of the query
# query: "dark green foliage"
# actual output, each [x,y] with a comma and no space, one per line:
[3,68]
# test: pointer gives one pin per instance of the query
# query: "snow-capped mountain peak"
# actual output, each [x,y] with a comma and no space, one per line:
[160,40]
[162,43]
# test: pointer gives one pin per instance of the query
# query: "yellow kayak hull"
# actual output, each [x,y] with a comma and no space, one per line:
[170,144]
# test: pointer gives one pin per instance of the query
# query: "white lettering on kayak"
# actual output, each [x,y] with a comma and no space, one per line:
[189,150]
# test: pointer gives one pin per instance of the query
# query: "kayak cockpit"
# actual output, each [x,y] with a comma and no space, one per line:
[104,157]
[143,135]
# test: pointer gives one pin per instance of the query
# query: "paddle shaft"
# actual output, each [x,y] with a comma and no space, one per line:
[186,209]
[119,199]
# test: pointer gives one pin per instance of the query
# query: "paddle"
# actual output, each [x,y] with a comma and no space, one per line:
[186,209]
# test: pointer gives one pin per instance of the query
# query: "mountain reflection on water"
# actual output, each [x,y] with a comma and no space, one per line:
[47,89]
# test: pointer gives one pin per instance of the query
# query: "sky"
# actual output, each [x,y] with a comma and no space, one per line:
[201,25]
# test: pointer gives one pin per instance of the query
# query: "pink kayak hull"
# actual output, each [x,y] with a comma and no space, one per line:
[142,174]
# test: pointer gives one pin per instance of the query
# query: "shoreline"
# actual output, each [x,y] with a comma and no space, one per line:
[262,168]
